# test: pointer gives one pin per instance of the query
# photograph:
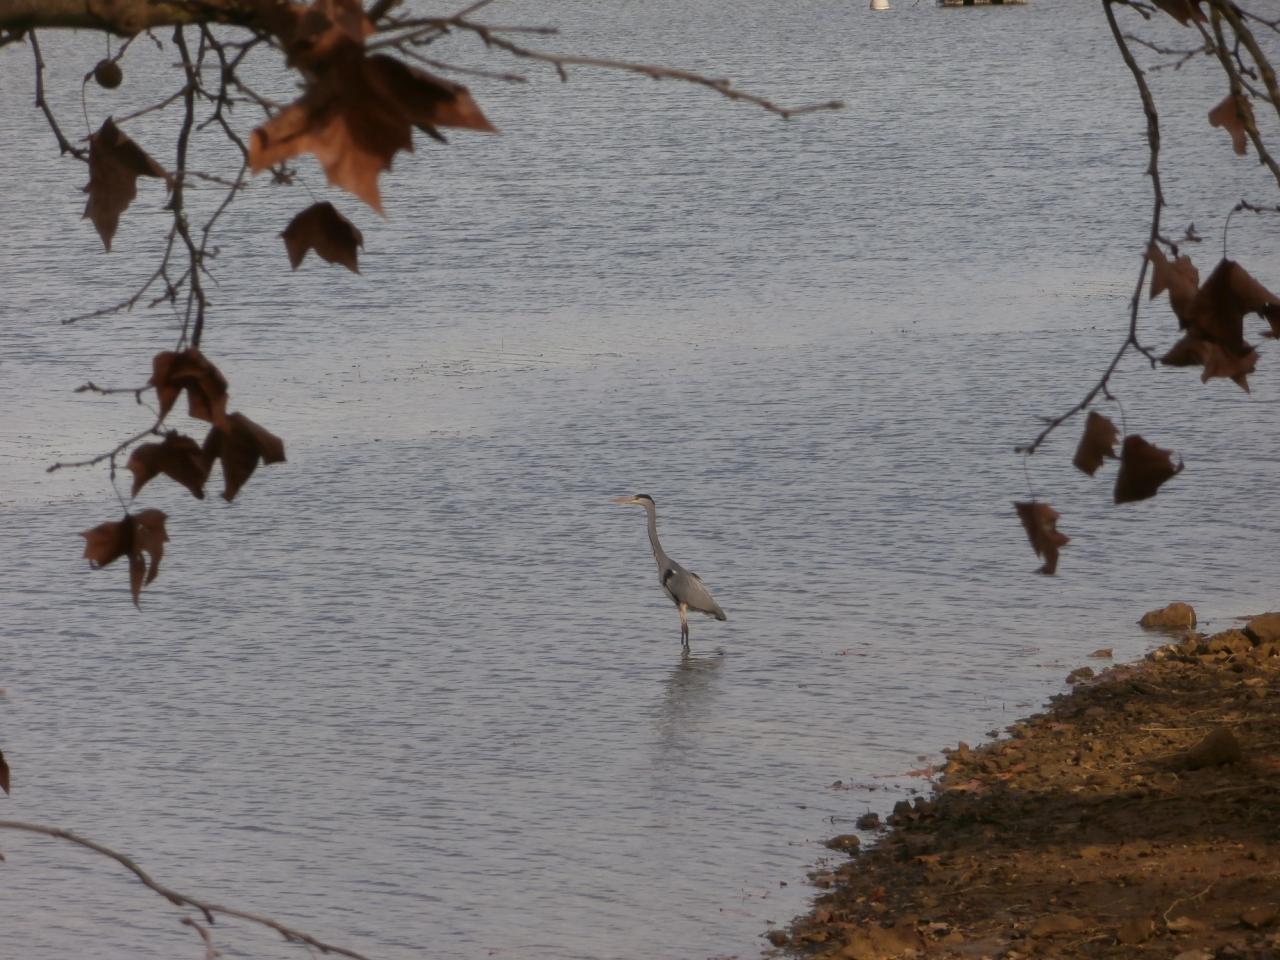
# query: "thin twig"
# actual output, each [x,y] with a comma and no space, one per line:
[209,910]
[64,145]
[561,61]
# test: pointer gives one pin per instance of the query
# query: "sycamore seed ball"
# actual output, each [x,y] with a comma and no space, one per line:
[108,74]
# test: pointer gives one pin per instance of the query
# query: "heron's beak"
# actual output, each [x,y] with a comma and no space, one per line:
[624,501]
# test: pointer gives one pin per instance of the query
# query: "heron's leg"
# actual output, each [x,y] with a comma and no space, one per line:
[684,626]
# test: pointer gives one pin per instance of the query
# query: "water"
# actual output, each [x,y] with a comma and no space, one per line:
[417,691]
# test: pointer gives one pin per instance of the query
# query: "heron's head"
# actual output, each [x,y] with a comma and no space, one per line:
[639,500]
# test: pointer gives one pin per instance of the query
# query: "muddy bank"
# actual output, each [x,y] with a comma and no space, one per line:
[1138,816]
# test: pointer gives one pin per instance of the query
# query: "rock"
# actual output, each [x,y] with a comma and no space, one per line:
[1234,642]
[1103,653]
[1077,675]
[868,821]
[777,937]
[1185,925]
[1135,930]
[1264,628]
[1056,923]
[1196,954]
[845,843]
[1173,617]
[1218,747]
[901,812]
[1255,918]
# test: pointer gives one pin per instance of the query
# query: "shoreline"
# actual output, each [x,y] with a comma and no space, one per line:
[1138,814]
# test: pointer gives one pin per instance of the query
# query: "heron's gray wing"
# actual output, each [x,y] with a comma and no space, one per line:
[687,587]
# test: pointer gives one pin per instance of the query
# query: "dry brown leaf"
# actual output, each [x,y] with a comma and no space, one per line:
[1219,362]
[357,113]
[1234,115]
[311,35]
[323,229]
[1041,523]
[115,164]
[1096,444]
[177,457]
[1191,351]
[240,448]
[1217,312]
[1179,277]
[1184,11]
[427,101]
[138,536]
[189,370]
[1143,468]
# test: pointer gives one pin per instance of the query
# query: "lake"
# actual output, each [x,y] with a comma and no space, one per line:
[417,690]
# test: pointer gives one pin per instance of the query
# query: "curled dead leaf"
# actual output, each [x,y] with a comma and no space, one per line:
[1217,312]
[323,229]
[313,34]
[1096,444]
[177,457]
[189,370]
[1041,523]
[1179,277]
[115,164]
[1234,115]
[1217,361]
[240,447]
[1143,468]
[139,536]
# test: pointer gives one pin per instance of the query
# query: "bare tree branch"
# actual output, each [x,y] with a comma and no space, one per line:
[1157,206]
[122,17]
[209,910]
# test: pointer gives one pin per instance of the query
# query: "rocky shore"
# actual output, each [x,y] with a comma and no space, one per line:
[1137,816]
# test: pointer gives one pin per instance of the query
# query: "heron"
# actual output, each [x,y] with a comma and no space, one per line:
[684,587]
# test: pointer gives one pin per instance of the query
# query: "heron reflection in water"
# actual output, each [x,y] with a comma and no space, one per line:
[684,587]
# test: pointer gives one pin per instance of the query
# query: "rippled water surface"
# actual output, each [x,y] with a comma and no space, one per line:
[417,690]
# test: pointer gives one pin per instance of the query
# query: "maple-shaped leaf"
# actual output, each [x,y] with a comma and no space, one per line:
[1143,468]
[138,536]
[115,164]
[1041,523]
[323,229]
[189,370]
[1217,312]
[1097,443]
[177,457]
[1179,277]
[1234,115]
[357,113]
[4,774]
[240,447]
[1184,11]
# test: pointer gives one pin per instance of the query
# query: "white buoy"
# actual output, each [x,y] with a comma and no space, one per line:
[879,4]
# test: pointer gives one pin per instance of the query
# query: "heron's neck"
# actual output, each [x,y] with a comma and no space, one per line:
[659,554]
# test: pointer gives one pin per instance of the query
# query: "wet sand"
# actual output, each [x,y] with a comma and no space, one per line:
[1137,816]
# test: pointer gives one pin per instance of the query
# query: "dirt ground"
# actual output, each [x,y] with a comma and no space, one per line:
[1138,816]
